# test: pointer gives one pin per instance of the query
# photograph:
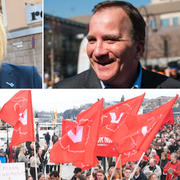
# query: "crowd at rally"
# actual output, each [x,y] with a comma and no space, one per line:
[160,162]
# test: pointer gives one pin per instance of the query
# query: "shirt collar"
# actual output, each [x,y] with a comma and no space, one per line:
[137,84]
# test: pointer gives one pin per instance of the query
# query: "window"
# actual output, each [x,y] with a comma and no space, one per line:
[175,21]
[153,23]
[165,22]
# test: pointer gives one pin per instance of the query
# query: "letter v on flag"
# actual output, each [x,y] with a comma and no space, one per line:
[113,118]
[79,144]
[18,113]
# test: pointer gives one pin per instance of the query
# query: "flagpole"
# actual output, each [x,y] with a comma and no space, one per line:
[136,166]
[115,166]
[120,168]
[60,171]
[91,177]
[35,160]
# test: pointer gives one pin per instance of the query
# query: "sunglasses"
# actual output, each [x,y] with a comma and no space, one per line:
[96,169]
[174,68]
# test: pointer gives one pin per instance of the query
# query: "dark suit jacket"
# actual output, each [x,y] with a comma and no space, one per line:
[19,76]
[89,79]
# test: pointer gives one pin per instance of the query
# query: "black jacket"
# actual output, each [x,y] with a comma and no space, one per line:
[89,79]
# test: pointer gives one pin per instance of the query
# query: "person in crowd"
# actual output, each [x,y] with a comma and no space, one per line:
[31,150]
[37,145]
[28,144]
[162,164]
[41,176]
[178,154]
[23,158]
[172,168]
[155,156]
[115,175]
[29,178]
[34,162]
[81,177]
[153,176]
[15,76]
[167,152]
[139,175]
[41,160]
[49,165]
[172,70]
[89,177]
[76,172]
[12,151]
[127,173]
[153,168]
[101,174]
[47,138]
[2,156]
[54,175]
[114,55]
[18,147]
[97,167]
[44,156]
[53,137]
[144,161]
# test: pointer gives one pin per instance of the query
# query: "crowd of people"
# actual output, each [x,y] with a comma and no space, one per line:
[160,162]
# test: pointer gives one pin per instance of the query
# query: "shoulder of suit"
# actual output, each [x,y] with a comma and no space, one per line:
[158,80]
[76,81]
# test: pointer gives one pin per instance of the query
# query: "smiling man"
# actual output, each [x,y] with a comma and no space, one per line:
[116,40]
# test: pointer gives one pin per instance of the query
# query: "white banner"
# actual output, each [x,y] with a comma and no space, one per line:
[12,171]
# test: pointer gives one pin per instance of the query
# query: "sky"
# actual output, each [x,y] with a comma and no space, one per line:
[49,100]
[71,8]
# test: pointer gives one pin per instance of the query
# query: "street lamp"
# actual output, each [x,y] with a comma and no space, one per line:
[147,15]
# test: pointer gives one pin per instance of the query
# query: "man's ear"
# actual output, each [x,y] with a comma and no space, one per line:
[139,49]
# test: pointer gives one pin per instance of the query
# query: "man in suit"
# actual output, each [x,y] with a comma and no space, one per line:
[16,76]
[116,40]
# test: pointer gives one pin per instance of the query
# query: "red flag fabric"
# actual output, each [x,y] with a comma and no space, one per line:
[18,112]
[143,128]
[85,167]
[169,119]
[113,118]
[12,109]
[79,144]
[67,126]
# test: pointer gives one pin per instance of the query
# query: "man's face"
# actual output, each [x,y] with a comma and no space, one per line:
[151,163]
[137,171]
[173,159]
[100,176]
[173,70]
[112,54]
[127,173]
[76,174]
[54,178]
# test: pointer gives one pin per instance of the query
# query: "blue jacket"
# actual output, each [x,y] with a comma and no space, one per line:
[17,76]
[2,159]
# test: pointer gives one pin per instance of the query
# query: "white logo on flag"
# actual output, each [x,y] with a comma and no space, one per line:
[144,130]
[23,117]
[113,117]
[78,137]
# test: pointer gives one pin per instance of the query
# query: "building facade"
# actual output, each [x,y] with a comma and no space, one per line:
[62,38]
[24,25]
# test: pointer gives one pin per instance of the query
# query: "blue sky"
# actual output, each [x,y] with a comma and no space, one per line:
[70,8]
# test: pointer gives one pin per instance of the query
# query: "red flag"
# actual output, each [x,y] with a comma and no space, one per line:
[67,126]
[79,144]
[19,110]
[143,128]
[113,118]
[85,167]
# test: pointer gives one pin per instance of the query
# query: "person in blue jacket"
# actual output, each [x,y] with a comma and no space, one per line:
[2,156]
